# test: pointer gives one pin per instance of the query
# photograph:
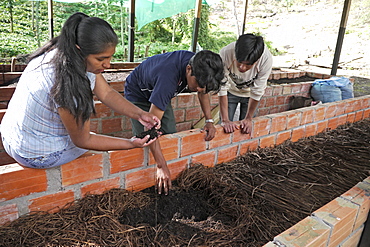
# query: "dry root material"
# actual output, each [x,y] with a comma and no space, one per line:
[245,202]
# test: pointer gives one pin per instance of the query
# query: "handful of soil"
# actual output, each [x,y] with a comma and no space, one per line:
[153,132]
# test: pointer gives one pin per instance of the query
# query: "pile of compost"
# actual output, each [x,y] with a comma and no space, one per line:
[245,202]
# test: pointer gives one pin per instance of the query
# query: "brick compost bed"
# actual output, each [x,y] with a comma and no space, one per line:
[245,202]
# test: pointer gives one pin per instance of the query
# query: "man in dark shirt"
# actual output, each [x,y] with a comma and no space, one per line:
[153,84]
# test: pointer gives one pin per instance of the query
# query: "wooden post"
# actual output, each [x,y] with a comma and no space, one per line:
[245,16]
[198,9]
[342,30]
[51,20]
[131,32]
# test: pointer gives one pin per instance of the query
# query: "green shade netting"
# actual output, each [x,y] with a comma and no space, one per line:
[151,10]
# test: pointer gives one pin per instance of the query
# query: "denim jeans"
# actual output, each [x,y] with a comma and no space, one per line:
[233,102]
[46,161]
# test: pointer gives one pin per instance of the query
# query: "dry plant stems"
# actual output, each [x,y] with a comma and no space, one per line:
[246,202]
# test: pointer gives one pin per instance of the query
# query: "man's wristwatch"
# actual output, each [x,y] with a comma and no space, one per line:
[209,120]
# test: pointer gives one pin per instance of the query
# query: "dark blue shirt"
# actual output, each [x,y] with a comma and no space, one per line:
[158,79]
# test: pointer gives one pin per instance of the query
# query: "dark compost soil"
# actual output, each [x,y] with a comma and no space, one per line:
[245,202]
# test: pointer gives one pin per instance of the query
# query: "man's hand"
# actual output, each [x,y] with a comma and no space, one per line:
[210,130]
[229,126]
[246,126]
[163,180]
[149,120]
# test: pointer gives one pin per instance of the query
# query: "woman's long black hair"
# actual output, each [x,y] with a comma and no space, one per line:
[81,36]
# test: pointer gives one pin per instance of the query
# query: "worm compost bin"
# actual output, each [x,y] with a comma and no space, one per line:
[244,202]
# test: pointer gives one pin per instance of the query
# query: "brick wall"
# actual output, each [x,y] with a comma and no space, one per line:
[23,190]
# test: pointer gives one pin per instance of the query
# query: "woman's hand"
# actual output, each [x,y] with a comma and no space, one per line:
[139,143]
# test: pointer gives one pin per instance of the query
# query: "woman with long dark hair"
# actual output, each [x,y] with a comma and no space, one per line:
[47,122]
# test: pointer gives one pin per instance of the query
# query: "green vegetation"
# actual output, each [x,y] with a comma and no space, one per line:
[24,28]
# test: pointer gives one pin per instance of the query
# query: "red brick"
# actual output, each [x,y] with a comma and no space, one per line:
[17,181]
[52,203]
[169,146]
[322,126]
[359,115]
[238,136]
[306,86]
[82,169]
[192,141]
[111,125]
[307,232]
[142,179]
[248,146]
[341,106]
[296,88]
[331,110]
[179,115]
[293,119]
[351,117]
[278,122]
[281,100]
[270,101]
[268,141]
[283,75]
[206,159]
[307,115]
[185,100]
[263,111]
[275,76]
[227,154]
[94,126]
[277,90]
[340,215]
[8,213]
[127,124]
[287,89]
[101,186]
[333,123]
[366,113]
[319,113]
[102,110]
[261,126]
[193,113]
[354,239]
[298,133]
[311,129]
[274,109]
[342,120]
[214,100]
[359,195]
[184,126]
[125,160]
[357,104]
[177,167]
[262,103]
[117,85]
[283,136]
[221,138]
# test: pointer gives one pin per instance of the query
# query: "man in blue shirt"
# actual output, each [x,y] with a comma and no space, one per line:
[153,84]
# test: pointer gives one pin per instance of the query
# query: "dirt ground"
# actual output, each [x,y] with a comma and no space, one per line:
[245,202]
